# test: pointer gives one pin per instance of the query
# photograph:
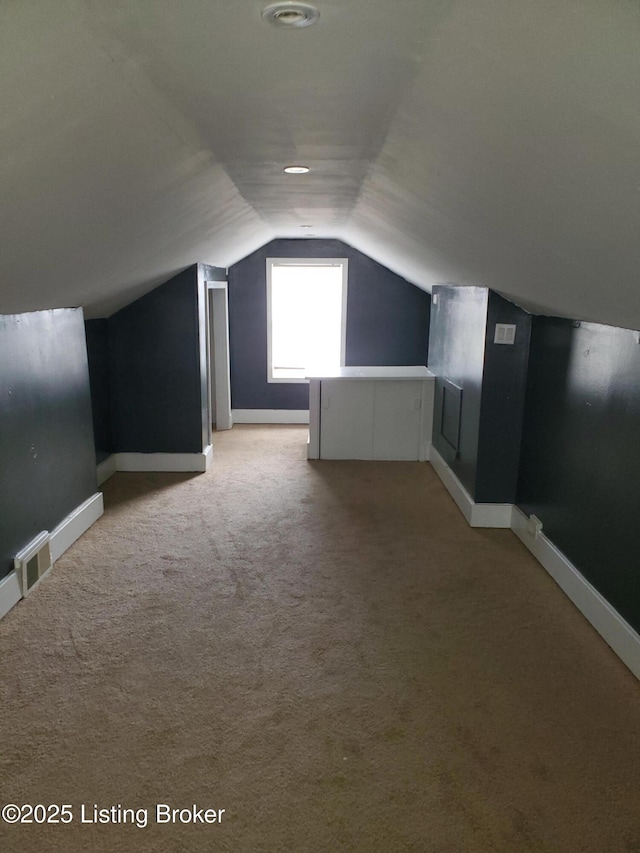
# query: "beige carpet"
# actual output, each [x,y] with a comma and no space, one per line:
[326,651]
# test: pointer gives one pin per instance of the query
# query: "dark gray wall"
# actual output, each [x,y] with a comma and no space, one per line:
[47,458]
[580,464]
[387,321]
[148,369]
[156,369]
[98,355]
[504,386]
[493,382]
[456,353]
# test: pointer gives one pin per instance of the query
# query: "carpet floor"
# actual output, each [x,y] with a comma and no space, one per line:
[324,650]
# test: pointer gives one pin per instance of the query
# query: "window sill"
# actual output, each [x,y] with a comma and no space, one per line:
[295,380]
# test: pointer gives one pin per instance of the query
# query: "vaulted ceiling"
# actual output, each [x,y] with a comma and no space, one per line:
[484,142]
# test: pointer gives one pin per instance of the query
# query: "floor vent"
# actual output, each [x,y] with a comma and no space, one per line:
[33,562]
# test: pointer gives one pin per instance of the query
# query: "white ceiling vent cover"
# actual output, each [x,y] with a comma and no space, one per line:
[33,562]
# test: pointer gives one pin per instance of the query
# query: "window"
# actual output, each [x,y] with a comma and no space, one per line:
[306,316]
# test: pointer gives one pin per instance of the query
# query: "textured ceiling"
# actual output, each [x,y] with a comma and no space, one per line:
[485,142]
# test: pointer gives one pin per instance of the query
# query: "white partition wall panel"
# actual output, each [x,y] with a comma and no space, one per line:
[397,419]
[346,419]
[313,444]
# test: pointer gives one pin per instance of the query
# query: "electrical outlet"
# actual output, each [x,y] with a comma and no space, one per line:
[505,333]
[534,525]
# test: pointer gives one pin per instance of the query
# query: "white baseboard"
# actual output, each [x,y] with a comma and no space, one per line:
[106,468]
[75,524]
[155,462]
[477,515]
[270,416]
[208,456]
[614,630]
[63,537]
[10,593]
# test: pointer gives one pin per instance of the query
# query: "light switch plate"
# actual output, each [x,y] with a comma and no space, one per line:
[505,333]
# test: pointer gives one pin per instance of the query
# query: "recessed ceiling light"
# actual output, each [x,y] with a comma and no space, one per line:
[306,226]
[296,170]
[291,14]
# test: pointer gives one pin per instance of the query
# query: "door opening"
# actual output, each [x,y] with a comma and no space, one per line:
[219,391]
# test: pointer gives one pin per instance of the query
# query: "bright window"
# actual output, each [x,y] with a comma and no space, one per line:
[306,315]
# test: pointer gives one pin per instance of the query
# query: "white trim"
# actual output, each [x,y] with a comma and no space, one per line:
[491,515]
[208,456]
[270,416]
[426,420]
[476,514]
[151,462]
[616,632]
[10,592]
[218,364]
[165,461]
[75,524]
[65,534]
[313,440]
[613,629]
[107,468]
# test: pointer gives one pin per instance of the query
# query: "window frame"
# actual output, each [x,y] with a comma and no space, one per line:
[306,262]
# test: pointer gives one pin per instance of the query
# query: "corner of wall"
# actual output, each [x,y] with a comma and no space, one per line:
[62,538]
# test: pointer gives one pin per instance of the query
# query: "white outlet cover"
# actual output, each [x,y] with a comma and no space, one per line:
[534,525]
[505,333]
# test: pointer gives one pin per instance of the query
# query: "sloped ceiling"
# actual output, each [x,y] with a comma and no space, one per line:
[484,142]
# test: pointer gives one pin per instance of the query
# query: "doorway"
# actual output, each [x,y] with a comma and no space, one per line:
[219,386]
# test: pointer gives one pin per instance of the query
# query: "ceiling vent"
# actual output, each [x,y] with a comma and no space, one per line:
[291,15]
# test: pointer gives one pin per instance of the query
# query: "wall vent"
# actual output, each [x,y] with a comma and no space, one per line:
[33,562]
